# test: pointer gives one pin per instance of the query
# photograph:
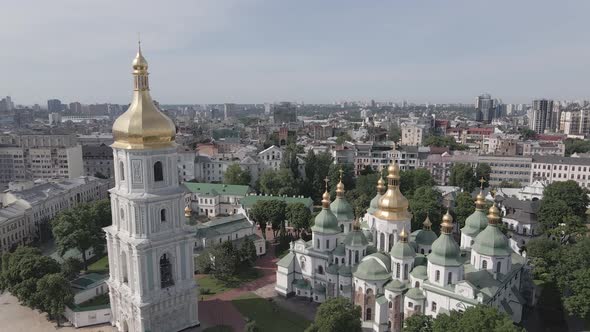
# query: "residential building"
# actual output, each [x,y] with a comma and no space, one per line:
[556,168]
[284,112]
[515,169]
[520,219]
[484,108]
[54,105]
[413,134]
[271,158]
[98,160]
[212,200]
[575,122]
[541,115]
[378,156]
[186,164]
[531,148]
[235,228]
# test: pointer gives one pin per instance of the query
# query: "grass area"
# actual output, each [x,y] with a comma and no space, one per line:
[209,285]
[99,300]
[219,328]
[101,265]
[268,316]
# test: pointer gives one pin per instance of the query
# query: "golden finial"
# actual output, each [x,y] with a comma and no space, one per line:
[447,223]
[188,211]
[427,224]
[356,224]
[326,196]
[481,182]
[403,235]
[340,186]
[493,215]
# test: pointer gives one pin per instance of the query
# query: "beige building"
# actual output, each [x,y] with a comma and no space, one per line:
[575,122]
[555,168]
[413,134]
[508,168]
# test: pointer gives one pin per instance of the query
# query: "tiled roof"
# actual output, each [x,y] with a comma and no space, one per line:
[250,200]
[217,189]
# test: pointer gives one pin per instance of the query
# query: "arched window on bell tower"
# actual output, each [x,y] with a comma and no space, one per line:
[122,171]
[165,272]
[158,172]
[163,215]
[124,267]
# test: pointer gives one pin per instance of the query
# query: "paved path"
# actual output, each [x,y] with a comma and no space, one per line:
[219,310]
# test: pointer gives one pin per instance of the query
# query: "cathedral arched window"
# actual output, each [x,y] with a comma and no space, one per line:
[125,276]
[382,241]
[449,278]
[342,227]
[342,260]
[484,264]
[437,275]
[368,314]
[356,256]
[405,271]
[158,172]
[433,306]
[122,170]
[320,269]
[122,214]
[165,271]
[422,251]
[397,270]
[163,215]
[498,267]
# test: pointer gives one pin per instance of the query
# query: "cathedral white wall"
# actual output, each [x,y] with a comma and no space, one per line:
[456,274]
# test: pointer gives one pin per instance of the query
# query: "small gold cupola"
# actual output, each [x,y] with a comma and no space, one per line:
[340,186]
[142,126]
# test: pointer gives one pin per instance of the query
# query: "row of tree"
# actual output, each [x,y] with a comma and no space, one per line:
[339,314]
[225,260]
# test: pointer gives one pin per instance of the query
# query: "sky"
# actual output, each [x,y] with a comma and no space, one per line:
[313,51]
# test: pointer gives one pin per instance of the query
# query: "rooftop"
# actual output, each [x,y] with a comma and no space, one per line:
[214,189]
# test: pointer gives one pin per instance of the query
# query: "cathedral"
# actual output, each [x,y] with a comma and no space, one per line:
[150,251]
[393,273]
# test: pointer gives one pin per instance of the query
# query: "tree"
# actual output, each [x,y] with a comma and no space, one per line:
[483,170]
[259,215]
[412,179]
[248,252]
[418,323]
[298,215]
[563,204]
[527,133]
[336,315]
[225,260]
[276,211]
[290,159]
[366,184]
[278,183]
[347,176]
[343,137]
[578,302]
[203,262]
[251,326]
[462,176]
[235,175]
[576,145]
[444,141]
[102,212]
[71,267]
[476,318]
[54,293]
[426,201]
[78,228]
[394,133]
[464,207]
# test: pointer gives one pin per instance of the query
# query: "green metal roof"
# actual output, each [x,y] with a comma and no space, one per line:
[320,289]
[374,267]
[286,261]
[492,242]
[345,271]
[396,286]
[301,283]
[332,269]
[223,225]
[326,222]
[250,200]
[402,250]
[445,251]
[475,223]
[415,294]
[381,299]
[342,210]
[419,272]
[214,189]
[87,280]
[339,251]
[356,238]
[424,237]
[368,234]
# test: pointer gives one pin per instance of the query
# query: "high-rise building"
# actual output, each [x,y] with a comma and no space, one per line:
[54,105]
[484,108]
[228,110]
[6,104]
[75,107]
[150,250]
[542,112]
[285,112]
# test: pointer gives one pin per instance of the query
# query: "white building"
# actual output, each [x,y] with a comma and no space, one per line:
[271,158]
[392,277]
[214,199]
[413,134]
[151,283]
[554,168]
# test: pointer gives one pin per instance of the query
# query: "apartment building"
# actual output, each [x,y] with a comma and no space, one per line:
[379,156]
[211,199]
[413,134]
[555,168]
[98,159]
[507,168]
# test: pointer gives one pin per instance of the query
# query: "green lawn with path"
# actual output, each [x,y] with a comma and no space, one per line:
[209,285]
[268,316]
[100,266]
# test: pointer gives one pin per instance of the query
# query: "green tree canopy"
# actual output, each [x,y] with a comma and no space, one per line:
[225,260]
[347,177]
[426,201]
[290,159]
[53,294]
[71,267]
[278,183]
[298,215]
[564,203]
[443,141]
[235,175]
[418,323]
[317,167]
[462,176]
[477,318]
[483,170]
[464,207]
[576,145]
[337,315]
[248,252]
[415,178]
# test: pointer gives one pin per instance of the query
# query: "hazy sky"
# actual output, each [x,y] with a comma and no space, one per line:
[299,50]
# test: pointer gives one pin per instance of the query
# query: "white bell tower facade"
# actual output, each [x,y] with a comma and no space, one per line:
[150,249]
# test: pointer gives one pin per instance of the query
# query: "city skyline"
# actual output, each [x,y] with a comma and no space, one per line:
[212,52]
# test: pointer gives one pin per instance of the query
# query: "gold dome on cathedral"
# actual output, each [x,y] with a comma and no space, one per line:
[393,205]
[142,126]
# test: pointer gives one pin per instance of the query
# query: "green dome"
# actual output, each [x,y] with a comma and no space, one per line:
[374,267]
[342,210]
[356,238]
[419,272]
[475,223]
[368,234]
[415,294]
[445,251]
[492,242]
[345,271]
[425,237]
[374,204]
[402,250]
[326,222]
[332,269]
[339,251]
[396,286]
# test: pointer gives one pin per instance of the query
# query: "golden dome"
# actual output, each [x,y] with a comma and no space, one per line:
[326,199]
[340,189]
[427,223]
[380,186]
[393,205]
[403,235]
[493,215]
[447,223]
[480,201]
[142,126]
[188,211]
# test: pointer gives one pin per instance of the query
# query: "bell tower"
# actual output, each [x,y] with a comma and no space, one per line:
[150,250]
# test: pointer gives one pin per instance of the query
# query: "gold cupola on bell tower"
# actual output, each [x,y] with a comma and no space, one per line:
[142,126]
[393,206]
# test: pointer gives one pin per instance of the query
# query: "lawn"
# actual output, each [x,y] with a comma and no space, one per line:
[209,285]
[268,316]
[101,265]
